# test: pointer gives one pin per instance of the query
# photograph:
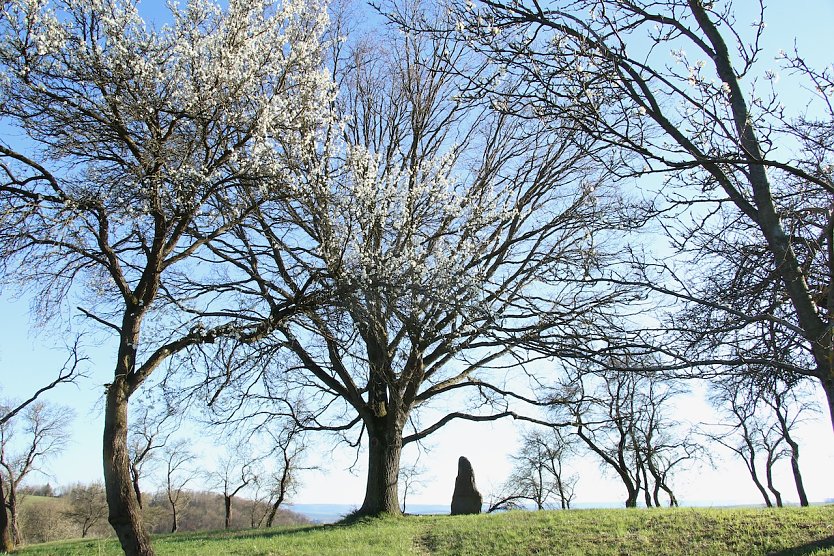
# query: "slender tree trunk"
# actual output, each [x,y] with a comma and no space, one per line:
[769,474]
[275,506]
[6,544]
[134,474]
[755,476]
[797,474]
[227,507]
[385,447]
[124,513]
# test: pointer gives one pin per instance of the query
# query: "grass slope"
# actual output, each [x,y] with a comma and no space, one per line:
[780,532]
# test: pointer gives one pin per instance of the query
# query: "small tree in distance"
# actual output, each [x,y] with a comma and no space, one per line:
[42,431]
[539,474]
[178,473]
[88,506]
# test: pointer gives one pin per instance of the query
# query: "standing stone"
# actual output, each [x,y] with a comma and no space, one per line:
[466,498]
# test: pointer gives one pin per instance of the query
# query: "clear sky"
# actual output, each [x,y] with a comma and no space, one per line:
[30,356]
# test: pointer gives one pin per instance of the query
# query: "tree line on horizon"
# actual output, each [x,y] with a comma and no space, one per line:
[547,213]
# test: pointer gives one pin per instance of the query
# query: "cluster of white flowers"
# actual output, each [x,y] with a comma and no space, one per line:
[409,231]
[218,92]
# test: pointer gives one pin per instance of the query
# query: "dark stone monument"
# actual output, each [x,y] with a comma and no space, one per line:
[466,498]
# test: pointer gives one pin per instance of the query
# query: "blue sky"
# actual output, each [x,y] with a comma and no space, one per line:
[30,355]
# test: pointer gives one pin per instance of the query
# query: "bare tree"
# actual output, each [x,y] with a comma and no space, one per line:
[178,473]
[412,478]
[681,90]
[68,373]
[623,418]
[538,472]
[762,414]
[150,430]
[88,506]
[289,451]
[236,471]
[142,146]
[43,431]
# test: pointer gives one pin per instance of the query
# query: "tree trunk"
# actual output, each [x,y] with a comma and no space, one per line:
[769,474]
[174,522]
[797,475]
[134,474]
[631,500]
[14,522]
[755,476]
[385,447]
[828,384]
[6,544]
[124,513]
[227,508]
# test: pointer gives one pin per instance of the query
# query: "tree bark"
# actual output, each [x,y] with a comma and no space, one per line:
[124,513]
[227,508]
[14,520]
[385,447]
[6,544]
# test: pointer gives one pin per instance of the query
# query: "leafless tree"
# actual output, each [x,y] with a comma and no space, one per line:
[152,425]
[68,373]
[682,92]
[412,478]
[178,473]
[623,418]
[236,470]
[43,431]
[88,506]
[762,415]
[287,456]
[539,473]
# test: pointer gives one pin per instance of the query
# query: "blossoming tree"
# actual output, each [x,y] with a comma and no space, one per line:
[132,148]
[452,235]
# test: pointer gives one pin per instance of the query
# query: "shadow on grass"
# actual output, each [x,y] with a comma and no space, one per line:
[807,548]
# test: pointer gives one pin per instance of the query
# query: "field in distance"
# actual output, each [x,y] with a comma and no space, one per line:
[701,531]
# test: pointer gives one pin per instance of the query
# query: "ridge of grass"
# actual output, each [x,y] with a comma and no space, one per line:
[701,531]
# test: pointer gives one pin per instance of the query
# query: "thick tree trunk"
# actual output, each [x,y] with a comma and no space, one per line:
[828,386]
[227,508]
[124,513]
[14,517]
[6,544]
[174,523]
[385,447]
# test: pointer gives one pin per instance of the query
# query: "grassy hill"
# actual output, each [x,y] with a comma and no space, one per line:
[779,532]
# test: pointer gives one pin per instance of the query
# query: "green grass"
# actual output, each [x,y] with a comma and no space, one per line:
[780,532]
